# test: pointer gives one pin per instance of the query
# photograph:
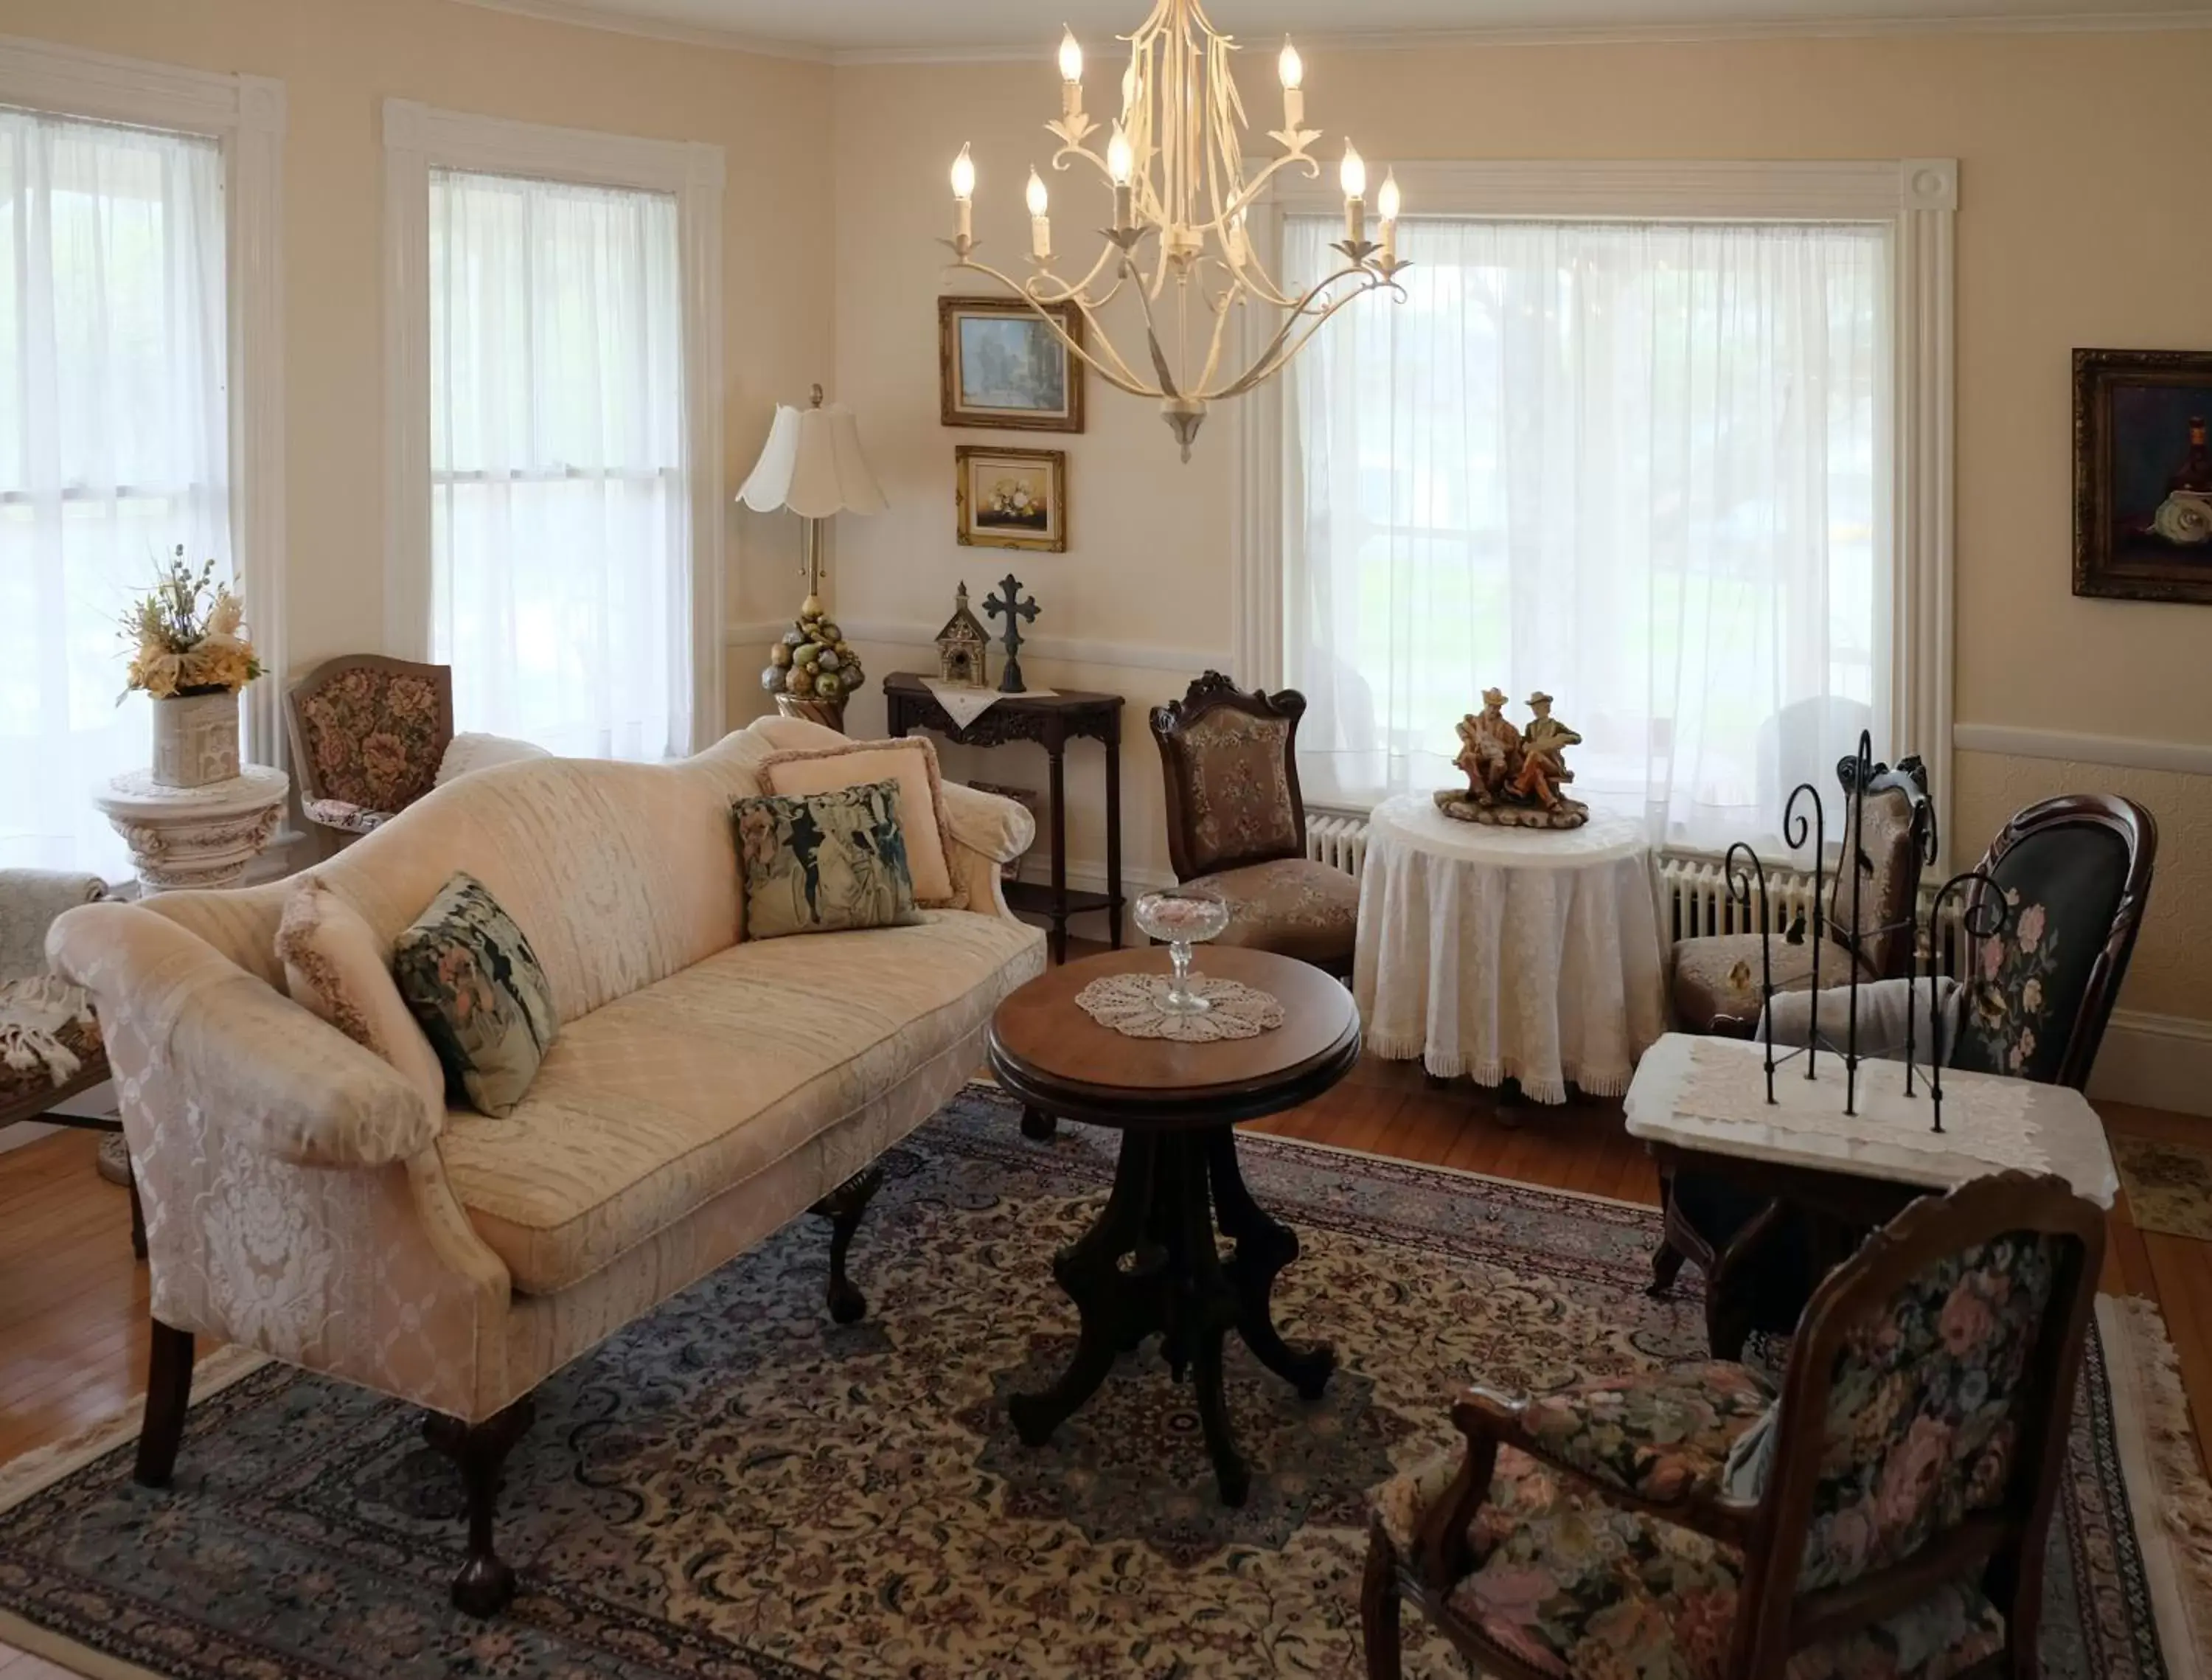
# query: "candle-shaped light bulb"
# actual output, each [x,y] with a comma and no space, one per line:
[1121,165]
[1071,74]
[963,197]
[1354,177]
[1040,224]
[1292,70]
[1387,203]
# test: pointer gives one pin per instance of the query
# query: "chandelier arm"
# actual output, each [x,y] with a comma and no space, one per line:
[1168,386]
[1118,375]
[1079,288]
[1277,356]
[1213,348]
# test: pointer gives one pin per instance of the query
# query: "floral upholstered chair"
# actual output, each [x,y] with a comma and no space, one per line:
[1237,821]
[367,735]
[2075,873]
[1715,981]
[1882,1516]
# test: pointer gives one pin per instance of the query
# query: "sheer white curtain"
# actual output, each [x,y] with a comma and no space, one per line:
[114,448]
[1641,466]
[560,582]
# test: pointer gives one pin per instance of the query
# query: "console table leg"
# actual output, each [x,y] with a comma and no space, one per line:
[1056,774]
[1114,839]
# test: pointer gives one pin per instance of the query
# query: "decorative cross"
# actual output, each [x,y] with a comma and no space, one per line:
[1008,604]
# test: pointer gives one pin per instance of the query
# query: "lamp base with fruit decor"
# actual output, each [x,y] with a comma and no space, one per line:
[814,670]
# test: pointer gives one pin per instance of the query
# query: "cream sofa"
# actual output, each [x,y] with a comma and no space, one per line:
[301,1197]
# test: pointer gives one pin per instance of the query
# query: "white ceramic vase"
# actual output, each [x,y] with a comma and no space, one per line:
[196,740]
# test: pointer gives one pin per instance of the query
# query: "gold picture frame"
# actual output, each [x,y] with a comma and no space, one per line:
[1000,366]
[1021,503]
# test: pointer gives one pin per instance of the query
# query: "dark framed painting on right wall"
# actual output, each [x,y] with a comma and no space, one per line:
[2143,475]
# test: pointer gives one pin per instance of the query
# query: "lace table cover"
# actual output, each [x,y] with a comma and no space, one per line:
[1497,953]
[1986,1119]
[1130,1005]
[1709,1096]
[963,705]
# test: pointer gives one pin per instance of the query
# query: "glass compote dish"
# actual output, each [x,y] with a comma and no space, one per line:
[1180,917]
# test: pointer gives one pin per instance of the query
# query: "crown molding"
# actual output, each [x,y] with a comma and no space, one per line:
[584,14]
[587,15]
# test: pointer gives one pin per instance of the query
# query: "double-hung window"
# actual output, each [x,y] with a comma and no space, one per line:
[114,446]
[556,445]
[1649,465]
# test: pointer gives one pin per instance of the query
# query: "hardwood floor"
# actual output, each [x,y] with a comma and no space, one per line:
[73,1302]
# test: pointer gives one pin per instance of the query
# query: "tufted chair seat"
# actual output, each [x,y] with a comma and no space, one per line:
[1294,906]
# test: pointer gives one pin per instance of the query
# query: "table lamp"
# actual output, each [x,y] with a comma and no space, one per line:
[813,465]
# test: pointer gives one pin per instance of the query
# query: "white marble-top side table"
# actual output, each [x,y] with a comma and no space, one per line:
[195,836]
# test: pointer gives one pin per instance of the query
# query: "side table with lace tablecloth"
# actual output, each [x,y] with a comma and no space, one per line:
[1518,953]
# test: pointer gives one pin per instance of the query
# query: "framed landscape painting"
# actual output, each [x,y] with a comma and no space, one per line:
[1012,498]
[2143,475]
[1000,366]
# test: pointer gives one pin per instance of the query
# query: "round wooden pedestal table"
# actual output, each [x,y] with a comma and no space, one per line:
[1151,1263]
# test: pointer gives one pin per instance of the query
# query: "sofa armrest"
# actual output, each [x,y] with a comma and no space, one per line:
[987,822]
[265,1070]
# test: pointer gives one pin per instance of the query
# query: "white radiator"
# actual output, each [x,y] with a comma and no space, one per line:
[1694,890]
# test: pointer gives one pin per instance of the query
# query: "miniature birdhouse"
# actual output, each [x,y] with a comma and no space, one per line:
[961,646]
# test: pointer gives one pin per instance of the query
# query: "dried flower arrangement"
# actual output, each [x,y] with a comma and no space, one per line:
[189,636]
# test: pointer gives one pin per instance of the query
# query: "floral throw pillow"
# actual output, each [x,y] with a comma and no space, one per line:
[474,983]
[819,863]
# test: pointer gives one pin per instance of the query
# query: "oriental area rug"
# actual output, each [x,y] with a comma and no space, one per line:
[737,1487]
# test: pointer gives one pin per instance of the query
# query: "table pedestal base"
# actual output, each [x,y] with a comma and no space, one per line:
[1150,1265]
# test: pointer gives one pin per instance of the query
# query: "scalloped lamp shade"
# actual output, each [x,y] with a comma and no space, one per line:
[813,465]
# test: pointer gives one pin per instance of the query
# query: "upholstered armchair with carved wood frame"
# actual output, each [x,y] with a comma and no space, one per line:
[368,733]
[1884,1512]
[1237,821]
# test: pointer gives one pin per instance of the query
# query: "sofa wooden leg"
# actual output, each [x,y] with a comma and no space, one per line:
[168,1393]
[1379,1609]
[137,1218]
[485,1584]
[842,1208]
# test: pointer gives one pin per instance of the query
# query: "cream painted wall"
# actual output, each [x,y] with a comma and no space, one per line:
[2067,235]
[339,60]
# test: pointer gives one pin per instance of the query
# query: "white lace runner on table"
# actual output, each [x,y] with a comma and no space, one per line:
[964,705]
[1130,1005]
[1984,1119]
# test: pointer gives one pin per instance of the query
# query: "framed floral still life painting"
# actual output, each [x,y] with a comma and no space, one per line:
[1000,366]
[2143,475]
[1012,498]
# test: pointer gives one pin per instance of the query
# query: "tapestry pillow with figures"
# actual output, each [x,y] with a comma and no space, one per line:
[911,765]
[476,986]
[825,862]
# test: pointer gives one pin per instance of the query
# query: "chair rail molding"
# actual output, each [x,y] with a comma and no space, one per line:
[2128,752]
[246,115]
[419,138]
[1915,199]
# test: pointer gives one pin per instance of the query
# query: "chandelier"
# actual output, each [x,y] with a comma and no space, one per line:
[1174,165]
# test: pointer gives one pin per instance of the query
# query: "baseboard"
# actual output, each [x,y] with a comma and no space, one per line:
[24,1132]
[2156,1061]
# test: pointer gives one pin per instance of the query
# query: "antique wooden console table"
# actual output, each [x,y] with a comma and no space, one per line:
[1052,721]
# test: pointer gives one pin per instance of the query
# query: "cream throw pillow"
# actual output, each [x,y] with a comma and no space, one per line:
[912,763]
[334,966]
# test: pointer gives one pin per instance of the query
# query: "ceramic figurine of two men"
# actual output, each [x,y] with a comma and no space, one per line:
[1515,775]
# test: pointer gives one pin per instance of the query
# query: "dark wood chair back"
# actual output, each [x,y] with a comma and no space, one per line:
[2075,872]
[1921,1432]
[369,731]
[1231,761]
[1876,890]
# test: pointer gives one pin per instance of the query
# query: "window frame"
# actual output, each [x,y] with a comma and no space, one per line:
[245,115]
[419,138]
[1916,200]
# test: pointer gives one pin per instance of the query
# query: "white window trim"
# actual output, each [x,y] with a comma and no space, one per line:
[1915,198]
[419,138]
[245,114]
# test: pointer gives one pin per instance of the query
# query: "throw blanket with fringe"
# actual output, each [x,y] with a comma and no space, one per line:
[33,1013]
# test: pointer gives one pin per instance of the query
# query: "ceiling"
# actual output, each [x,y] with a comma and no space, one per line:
[1006,29]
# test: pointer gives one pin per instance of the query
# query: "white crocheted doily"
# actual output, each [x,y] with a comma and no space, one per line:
[1130,1004]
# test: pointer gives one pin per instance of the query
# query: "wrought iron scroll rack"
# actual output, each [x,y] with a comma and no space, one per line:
[1980,905]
